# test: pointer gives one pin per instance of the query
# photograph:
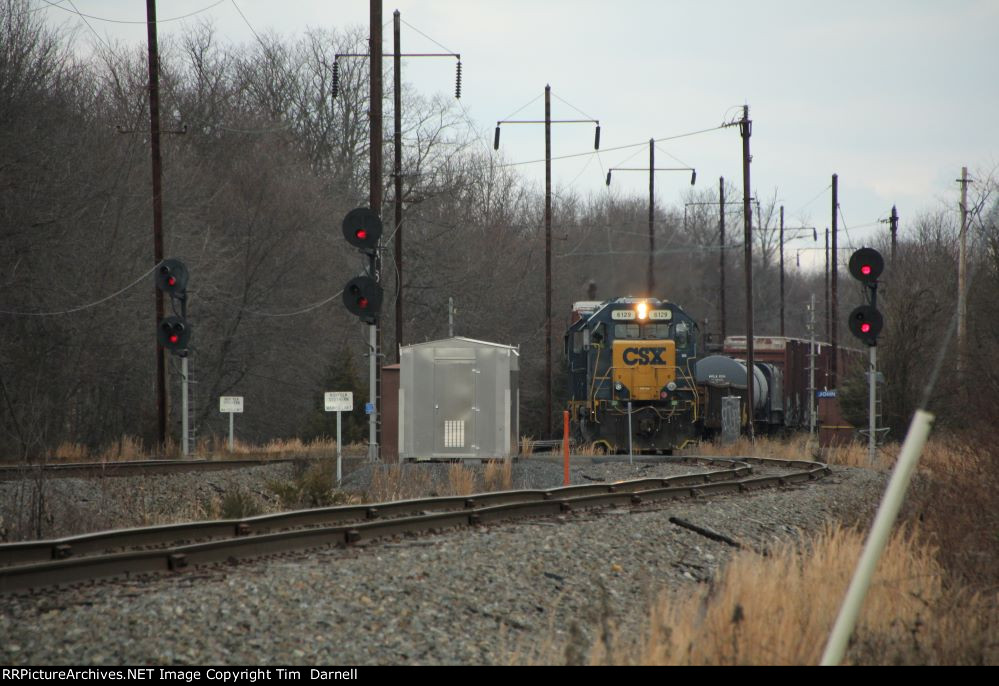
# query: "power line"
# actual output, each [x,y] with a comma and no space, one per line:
[669,154]
[250,26]
[817,196]
[82,307]
[82,16]
[58,5]
[573,106]
[445,49]
[619,147]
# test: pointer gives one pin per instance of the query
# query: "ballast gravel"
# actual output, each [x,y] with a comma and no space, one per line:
[539,590]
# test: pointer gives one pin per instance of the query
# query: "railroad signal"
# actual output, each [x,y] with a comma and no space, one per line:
[174,334]
[171,278]
[866,266]
[866,323]
[362,228]
[363,297]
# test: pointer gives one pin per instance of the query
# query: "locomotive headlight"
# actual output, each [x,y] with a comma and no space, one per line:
[618,386]
[642,310]
[671,386]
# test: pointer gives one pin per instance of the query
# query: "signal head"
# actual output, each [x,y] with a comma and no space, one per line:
[866,265]
[173,334]
[171,278]
[866,323]
[363,297]
[362,228]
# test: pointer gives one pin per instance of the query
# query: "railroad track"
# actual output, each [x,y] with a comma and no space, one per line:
[173,548]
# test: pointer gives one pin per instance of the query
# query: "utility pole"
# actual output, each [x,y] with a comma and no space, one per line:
[826,298]
[782,271]
[962,276]
[548,232]
[375,200]
[893,223]
[154,144]
[834,313]
[397,173]
[746,130]
[548,259]
[721,251]
[652,217]
[397,54]
[651,278]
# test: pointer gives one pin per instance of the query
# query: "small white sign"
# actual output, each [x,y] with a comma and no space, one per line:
[231,403]
[622,314]
[339,401]
[661,315]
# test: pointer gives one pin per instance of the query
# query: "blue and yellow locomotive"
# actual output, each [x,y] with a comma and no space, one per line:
[640,351]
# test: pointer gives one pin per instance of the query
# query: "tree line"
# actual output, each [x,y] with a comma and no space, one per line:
[260,164]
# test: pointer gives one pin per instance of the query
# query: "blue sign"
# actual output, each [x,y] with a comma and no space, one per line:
[369,408]
[826,394]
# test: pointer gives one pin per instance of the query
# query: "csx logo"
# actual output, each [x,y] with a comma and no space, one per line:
[633,356]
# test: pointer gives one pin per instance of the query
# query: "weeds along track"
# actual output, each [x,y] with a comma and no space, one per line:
[173,548]
[137,467]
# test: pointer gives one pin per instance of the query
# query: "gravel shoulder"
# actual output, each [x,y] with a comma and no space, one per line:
[498,594]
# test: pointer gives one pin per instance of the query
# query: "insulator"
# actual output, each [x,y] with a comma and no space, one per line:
[336,78]
[457,82]
[693,176]
[496,139]
[608,177]
[596,139]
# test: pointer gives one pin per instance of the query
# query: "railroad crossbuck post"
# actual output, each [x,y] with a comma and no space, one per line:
[866,323]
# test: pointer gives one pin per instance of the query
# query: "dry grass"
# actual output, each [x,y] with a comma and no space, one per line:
[460,480]
[526,446]
[799,447]
[780,609]
[396,483]
[278,448]
[498,475]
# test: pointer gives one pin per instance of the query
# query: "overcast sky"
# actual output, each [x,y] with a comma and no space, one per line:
[895,96]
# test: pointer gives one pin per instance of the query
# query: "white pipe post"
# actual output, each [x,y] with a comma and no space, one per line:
[185,449]
[339,451]
[872,399]
[631,454]
[915,439]
[231,414]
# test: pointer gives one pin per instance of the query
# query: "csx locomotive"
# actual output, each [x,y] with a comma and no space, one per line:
[642,354]
[640,351]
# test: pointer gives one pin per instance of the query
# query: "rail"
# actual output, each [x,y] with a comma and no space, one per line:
[36,564]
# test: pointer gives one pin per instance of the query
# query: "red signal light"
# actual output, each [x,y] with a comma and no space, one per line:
[174,338]
[172,281]
[362,303]
[362,234]
[865,328]
[865,270]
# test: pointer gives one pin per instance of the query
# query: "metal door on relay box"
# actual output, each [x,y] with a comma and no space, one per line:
[454,406]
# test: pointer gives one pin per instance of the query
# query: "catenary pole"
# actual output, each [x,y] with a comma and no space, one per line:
[157,169]
[746,129]
[375,200]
